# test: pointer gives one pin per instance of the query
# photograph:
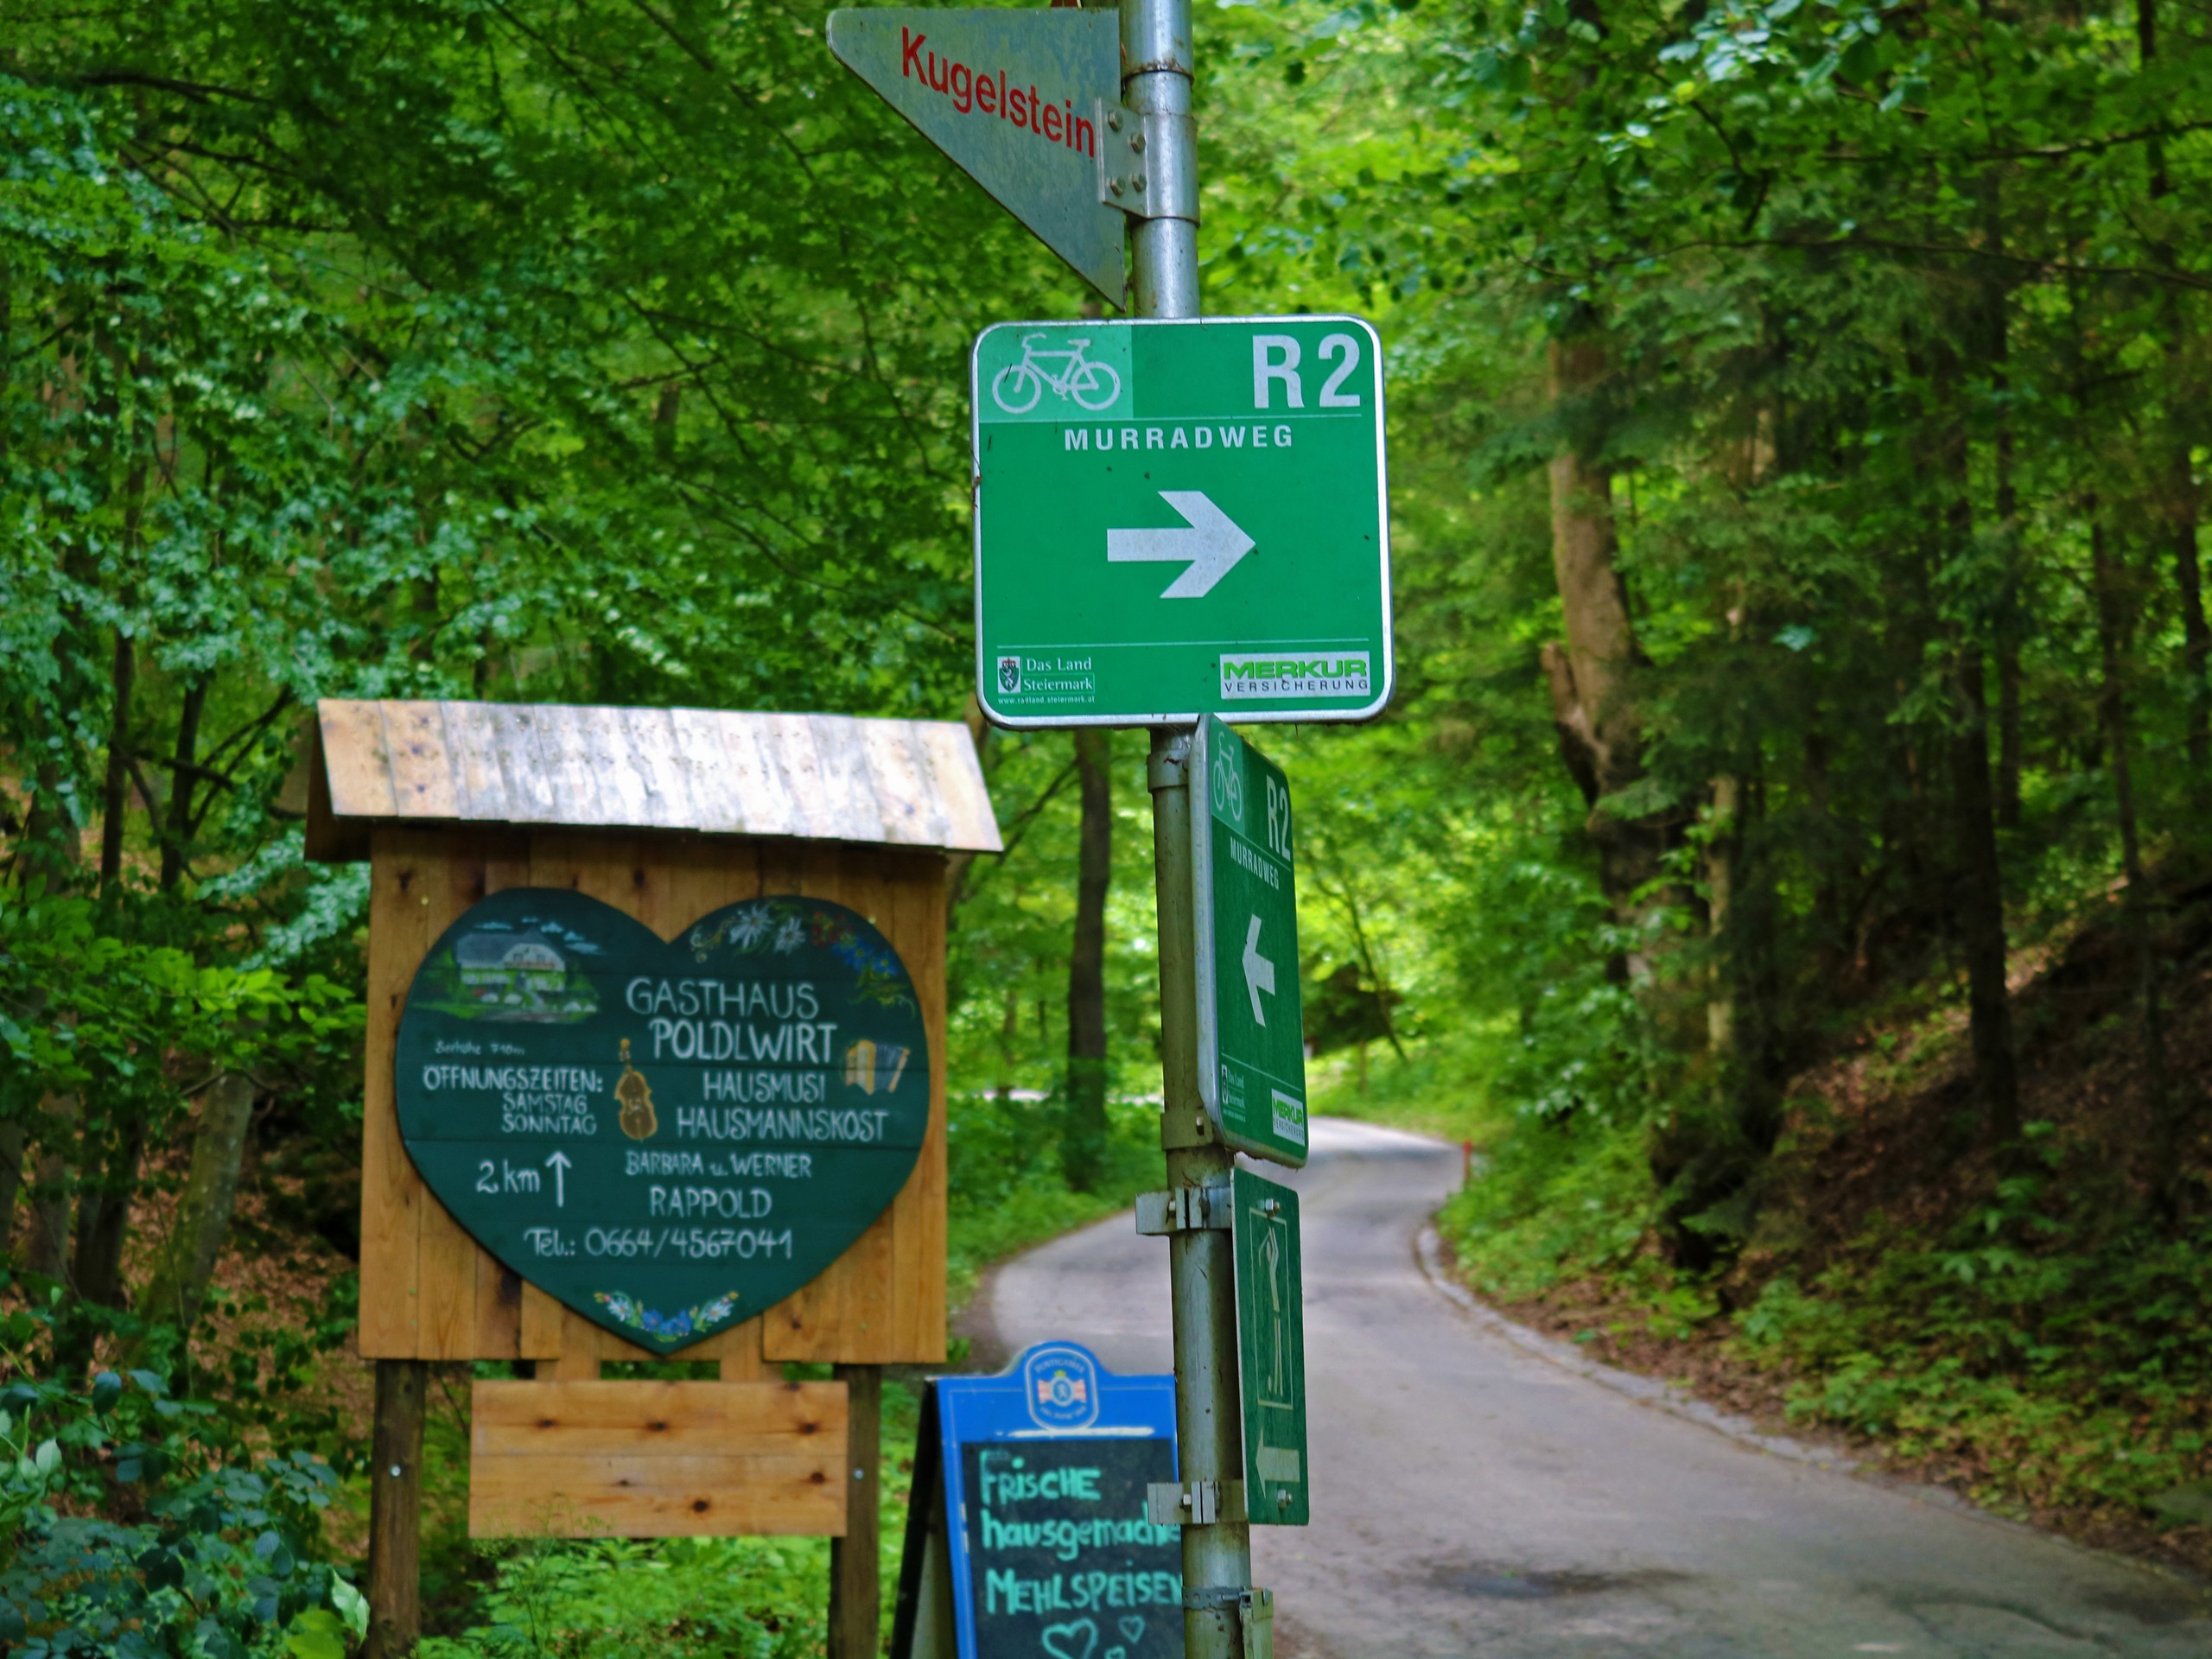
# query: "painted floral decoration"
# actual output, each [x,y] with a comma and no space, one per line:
[690,1322]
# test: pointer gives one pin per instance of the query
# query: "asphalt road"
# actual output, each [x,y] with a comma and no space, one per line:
[1473,1498]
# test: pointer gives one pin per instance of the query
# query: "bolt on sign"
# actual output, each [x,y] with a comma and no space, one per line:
[1015,98]
[668,1137]
[1251,1022]
[1180,517]
[1271,1348]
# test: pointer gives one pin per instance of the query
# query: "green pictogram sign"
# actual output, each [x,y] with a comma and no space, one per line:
[1271,1349]
[1174,519]
[1251,1025]
[668,1137]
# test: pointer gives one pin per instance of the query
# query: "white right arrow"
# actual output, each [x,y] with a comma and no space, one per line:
[1213,544]
[1258,972]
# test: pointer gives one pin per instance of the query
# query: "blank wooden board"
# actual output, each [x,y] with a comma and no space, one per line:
[639,1459]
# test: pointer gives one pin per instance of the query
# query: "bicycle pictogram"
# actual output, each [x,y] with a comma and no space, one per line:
[1227,788]
[1094,385]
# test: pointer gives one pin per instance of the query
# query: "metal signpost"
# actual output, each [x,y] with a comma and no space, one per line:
[1251,1029]
[1180,517]
[1174,520]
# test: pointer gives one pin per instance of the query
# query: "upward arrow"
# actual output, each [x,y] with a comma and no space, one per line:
[558,1163]
[1213,544]
[1259,973]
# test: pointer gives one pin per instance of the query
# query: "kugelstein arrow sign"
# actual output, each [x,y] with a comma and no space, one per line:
[1012,98]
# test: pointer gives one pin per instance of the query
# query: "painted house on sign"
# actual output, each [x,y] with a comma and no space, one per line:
[512,968]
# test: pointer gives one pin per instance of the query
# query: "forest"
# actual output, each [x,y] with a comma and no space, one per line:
[1787,860]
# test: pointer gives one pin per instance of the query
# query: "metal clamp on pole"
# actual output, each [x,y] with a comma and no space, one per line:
[1197,1503]
[1143,168]
[1184,1210]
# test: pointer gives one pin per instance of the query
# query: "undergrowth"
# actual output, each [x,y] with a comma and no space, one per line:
[2038,1350]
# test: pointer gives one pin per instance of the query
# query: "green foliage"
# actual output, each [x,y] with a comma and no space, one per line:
[2059,1359]
[1009,1190]
[220,1565]
[746,1598]
[1555,1202]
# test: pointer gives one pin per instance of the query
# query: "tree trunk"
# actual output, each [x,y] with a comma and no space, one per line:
[114,791]
[959,865]
[1083,1133]
[104,1218]
[178,837]
[180,1274]
[11,1184]
[123,676]
[1977,896]
[666,408]
[1600,735]
[2112,629]
[2010,611]
[2177,490]
[1979,899]
[1720,849]
[47,1252]
[2196,637]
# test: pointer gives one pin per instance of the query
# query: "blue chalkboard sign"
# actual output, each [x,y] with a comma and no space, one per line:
[1027,1531]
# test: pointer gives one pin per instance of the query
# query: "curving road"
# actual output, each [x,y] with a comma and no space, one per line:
[1472,1498]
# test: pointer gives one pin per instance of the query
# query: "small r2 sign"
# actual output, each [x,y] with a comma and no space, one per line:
[1252,1019]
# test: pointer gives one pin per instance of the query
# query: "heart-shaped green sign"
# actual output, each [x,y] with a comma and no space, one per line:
[668,1137]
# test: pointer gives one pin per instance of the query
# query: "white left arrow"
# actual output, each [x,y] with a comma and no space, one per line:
[1258,972]
[1212,545]
[558,1163]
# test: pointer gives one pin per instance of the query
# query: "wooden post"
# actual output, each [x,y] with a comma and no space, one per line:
[855,1560]
[395,1509]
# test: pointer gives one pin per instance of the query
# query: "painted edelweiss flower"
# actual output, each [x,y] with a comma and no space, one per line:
[790,936]
[750,926]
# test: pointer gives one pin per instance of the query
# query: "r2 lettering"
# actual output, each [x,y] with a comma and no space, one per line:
[1275,364]
[1278,820]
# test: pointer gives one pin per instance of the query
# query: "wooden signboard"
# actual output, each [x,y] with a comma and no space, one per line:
[625,831]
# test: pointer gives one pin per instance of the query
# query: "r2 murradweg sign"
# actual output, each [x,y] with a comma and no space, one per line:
[1174,519]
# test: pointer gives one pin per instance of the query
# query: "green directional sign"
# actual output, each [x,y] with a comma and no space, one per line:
[1251,1025]
[1271,1349]
[1176,519]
